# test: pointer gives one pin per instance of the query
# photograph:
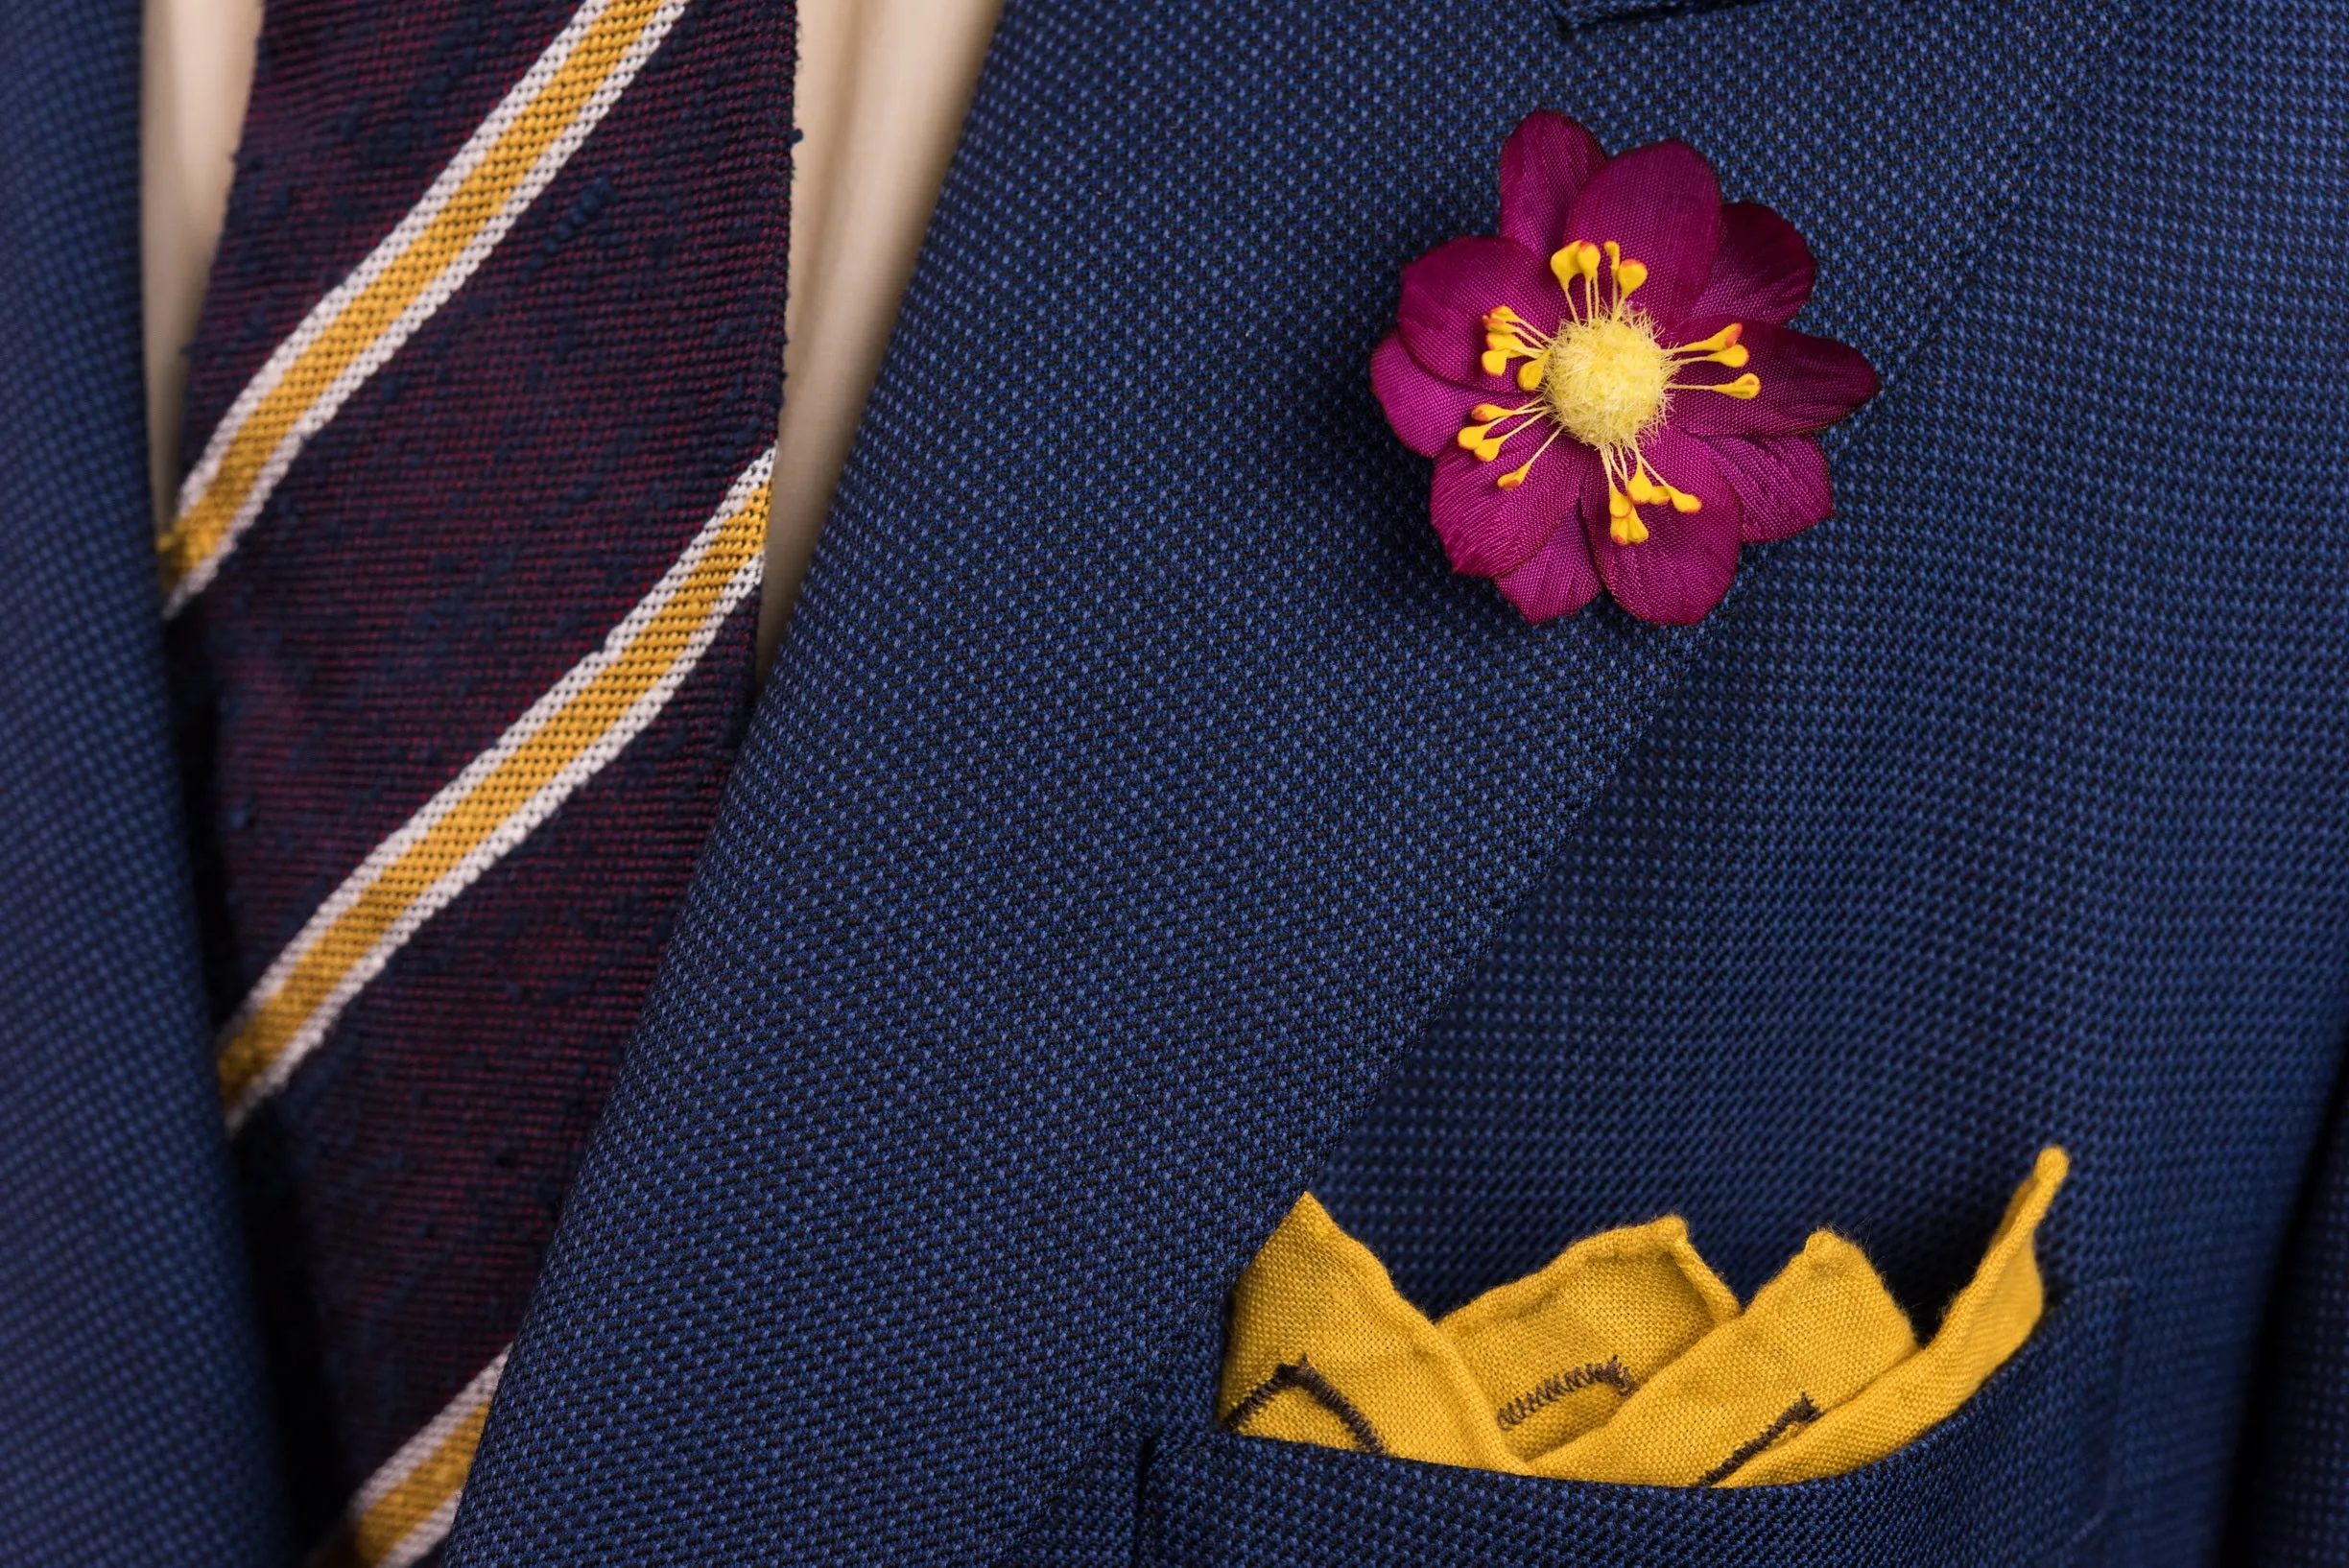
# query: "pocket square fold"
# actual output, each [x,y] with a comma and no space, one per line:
[1813,1337]
[1558,1352]
[1325,1350]
[1625,1359]
[1986,1323]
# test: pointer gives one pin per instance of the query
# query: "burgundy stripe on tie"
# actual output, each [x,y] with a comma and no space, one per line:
[460,592]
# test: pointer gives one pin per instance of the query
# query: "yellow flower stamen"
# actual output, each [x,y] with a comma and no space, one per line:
[1478,438]
[1744,389]
[1657,489]
[1601,377]
[1508,336]
[1623,524]
[1511,481]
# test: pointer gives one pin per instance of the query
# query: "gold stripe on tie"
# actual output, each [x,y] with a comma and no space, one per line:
[354,332]
[407,1507]
[582,723]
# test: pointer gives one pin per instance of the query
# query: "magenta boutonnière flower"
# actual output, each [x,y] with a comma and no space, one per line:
[1610,387]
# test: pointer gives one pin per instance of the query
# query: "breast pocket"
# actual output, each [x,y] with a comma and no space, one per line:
[2018,1475]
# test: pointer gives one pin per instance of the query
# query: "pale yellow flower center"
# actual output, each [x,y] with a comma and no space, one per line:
[1606,380]
[1603,378]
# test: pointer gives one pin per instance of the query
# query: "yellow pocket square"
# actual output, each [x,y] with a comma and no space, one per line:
[1624,1359]
[1554,1354]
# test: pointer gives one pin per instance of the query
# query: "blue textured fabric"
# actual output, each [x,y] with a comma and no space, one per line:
[1143,824]
[132,1417]
[1135,782]
[1968,833]
[1129,797]
[1139,807]
[1987,820]
[2292,1499]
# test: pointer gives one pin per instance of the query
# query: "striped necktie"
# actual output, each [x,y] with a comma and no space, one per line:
[460,592]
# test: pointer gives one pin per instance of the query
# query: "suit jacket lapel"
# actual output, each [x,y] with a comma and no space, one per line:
[136,1424]
[1135,778]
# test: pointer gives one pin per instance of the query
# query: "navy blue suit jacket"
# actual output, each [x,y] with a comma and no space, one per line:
[1143,824]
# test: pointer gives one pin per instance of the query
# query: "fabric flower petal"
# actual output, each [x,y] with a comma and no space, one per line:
[1560,577]
[1761,272]
[1657,353]
[1662,206]
[1447,292]
[1488,530]
[1544,166]
[1780,483]
[1679,572]
[1424,410]
[1806,384]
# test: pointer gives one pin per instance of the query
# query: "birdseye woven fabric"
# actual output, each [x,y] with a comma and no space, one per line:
[134,1419]
[1145,824]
